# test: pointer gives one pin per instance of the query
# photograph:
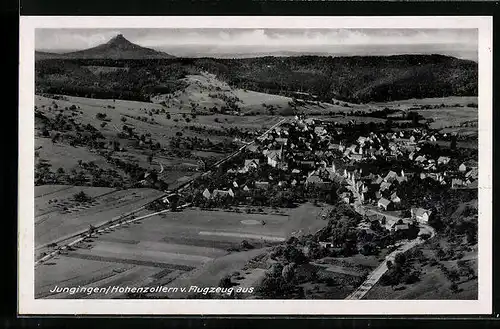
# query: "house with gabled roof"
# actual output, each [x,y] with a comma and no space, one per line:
[222,193]
[391,176]
[471,164]
[251,163]
[385,186]
[318,130]
[362,140]
[274,157]
[282,141]
[307,164]
[356,157]
[473,173]
[443,160]
[384,204]
[468,165]
[457,182]
[377,180]
[473,184]
[394,198]
[400,227]
[420,158]
[401,179]
[421,215]
[207,194]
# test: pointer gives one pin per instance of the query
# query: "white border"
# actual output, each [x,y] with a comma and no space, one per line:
[28,305]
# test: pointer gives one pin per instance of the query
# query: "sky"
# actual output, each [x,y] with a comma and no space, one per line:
[462,43]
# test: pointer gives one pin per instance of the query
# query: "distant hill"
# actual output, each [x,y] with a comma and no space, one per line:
[116,48]
[357,79]
[39,55]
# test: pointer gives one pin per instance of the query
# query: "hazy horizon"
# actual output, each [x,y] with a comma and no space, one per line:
[460,43]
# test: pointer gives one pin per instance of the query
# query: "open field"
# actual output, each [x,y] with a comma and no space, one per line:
[193,246]
[207,91]
[64,216]
[409,103]
[65,156]
[160,127]
[448,113]
[152,121]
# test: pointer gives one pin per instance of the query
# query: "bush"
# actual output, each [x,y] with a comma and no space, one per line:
[225,282]
[101,116]
[294,255]
[82,197]
[454,287]
[246,245]
[275,287]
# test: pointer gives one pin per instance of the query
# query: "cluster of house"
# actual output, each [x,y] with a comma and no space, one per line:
[311,153]
[467,176]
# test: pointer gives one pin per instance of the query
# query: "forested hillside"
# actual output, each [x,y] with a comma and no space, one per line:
[353,79]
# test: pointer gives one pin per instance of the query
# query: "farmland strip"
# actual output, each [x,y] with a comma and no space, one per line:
[131,261]
[62,189]
[241,235]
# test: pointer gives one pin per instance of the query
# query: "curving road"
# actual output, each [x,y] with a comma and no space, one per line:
[403,245]
[377,273]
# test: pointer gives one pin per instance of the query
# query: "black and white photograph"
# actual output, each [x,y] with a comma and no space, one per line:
[255,164]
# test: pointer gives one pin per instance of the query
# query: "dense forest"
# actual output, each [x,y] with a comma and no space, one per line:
[357,79]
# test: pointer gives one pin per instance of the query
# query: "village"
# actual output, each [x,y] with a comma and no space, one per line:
[376,173]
